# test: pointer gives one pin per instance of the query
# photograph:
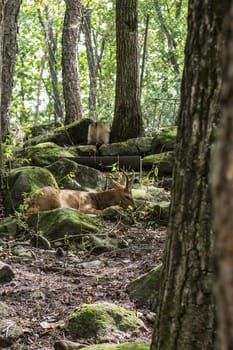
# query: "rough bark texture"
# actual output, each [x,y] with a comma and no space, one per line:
[71,81]
[186,317]
[11,11]
[127,122]
[223,200]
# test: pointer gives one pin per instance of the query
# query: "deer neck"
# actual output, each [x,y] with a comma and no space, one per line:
[106,199]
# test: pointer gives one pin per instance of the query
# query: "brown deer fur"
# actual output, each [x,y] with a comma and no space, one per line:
[88,202]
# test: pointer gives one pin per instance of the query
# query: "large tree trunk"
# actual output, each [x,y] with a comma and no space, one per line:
[71,81]
[127,122]
[186,316]
[11,11]
[223,200]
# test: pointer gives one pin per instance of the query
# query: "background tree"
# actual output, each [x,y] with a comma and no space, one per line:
[70,72]
[94,57]
[51,48]
[186,317]
[222,179]
[127,121]
[10,16]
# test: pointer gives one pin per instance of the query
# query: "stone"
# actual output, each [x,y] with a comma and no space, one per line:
[6,273]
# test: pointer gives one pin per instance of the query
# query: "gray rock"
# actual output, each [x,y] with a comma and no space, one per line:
[6,273]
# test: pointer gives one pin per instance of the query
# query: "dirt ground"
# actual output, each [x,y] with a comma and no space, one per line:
[47,289]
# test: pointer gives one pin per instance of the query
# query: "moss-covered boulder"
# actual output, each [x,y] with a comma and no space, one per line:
[100,321]
[98,245]
[10,332]
[126,148]
[164,141]
[132,147]
[144,289]
[72,175]
[9,227]
[68,345]
[46,153]
[72,134]
[163,161]
[86,150]
[62,223]
[123,346]
[22,181]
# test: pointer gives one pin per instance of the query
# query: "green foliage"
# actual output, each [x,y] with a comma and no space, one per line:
[161,84]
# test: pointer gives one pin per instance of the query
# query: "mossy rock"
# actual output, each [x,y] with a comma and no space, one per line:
[10,332]
[72,134]
[150,193]
[24,180]
[161,212]
[72,175]
[123,346]
[98,245]
[144,289]
[46,153]
[126,148]
[131,147]
[99,320]
[42,129]
[62,223]
[86,150]
[164,141]
[9,227]
[163,161]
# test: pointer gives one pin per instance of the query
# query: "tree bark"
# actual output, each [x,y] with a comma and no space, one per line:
[51,45]
[11,11]
[170,40]
[223,200]
[186,316]
[127,121]
[70,72]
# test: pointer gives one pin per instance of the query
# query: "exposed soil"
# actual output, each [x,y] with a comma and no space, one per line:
[47,288]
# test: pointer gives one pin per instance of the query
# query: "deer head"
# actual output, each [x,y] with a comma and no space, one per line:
[124,191]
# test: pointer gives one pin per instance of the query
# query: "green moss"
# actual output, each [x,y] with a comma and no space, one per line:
[97,320]
[46,153]
[165,140]
[164,162]
[26,180]
[123,346]
[61,223]
[70,174]
[144,289]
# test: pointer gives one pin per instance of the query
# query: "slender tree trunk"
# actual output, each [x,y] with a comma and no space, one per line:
[170,40]
[71,80]
[94,57]
[186,315]
[39,83]
[51,45]
[11,11]
[223,200]
[144,53]
[127,122]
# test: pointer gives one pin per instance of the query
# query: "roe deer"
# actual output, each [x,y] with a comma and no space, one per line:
[98,133]
[88,202]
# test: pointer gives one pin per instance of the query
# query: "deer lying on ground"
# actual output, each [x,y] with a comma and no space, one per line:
[88,202]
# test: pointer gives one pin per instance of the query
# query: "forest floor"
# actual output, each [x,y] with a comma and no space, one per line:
[47,289]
